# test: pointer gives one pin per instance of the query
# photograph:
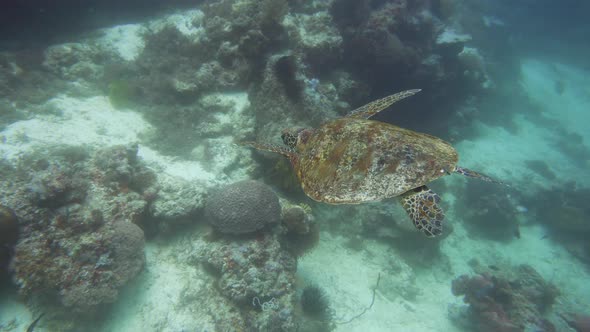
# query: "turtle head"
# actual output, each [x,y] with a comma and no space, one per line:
[294,136]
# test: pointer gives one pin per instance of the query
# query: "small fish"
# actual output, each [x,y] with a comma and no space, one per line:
[494,267]
[34,323]
[522,209]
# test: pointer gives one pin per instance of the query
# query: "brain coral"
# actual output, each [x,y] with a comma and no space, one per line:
[243,207]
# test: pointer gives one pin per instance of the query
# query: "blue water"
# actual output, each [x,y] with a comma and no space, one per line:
[127,132]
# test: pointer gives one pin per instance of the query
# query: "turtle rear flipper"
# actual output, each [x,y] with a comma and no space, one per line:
[476,175]
[421,204]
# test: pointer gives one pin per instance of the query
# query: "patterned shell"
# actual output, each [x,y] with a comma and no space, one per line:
[353,160]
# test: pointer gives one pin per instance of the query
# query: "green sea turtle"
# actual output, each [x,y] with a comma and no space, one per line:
[353,160]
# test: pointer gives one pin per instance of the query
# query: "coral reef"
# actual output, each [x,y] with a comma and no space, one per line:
[385,39]
[393,45]
[97,282]
[243,207]
[176,203]
[271,102]
[296,219]
[74,61]
[316,37]
[78,211]
[169,63]
[257,276]
[212,123]
[301,233]
[23,86]
[193,75]
[475,66]
[165,71]
[515,300]
[55,186]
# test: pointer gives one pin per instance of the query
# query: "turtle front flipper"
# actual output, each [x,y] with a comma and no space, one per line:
[268,147]
[421,204]
[476,175]
[372,108]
